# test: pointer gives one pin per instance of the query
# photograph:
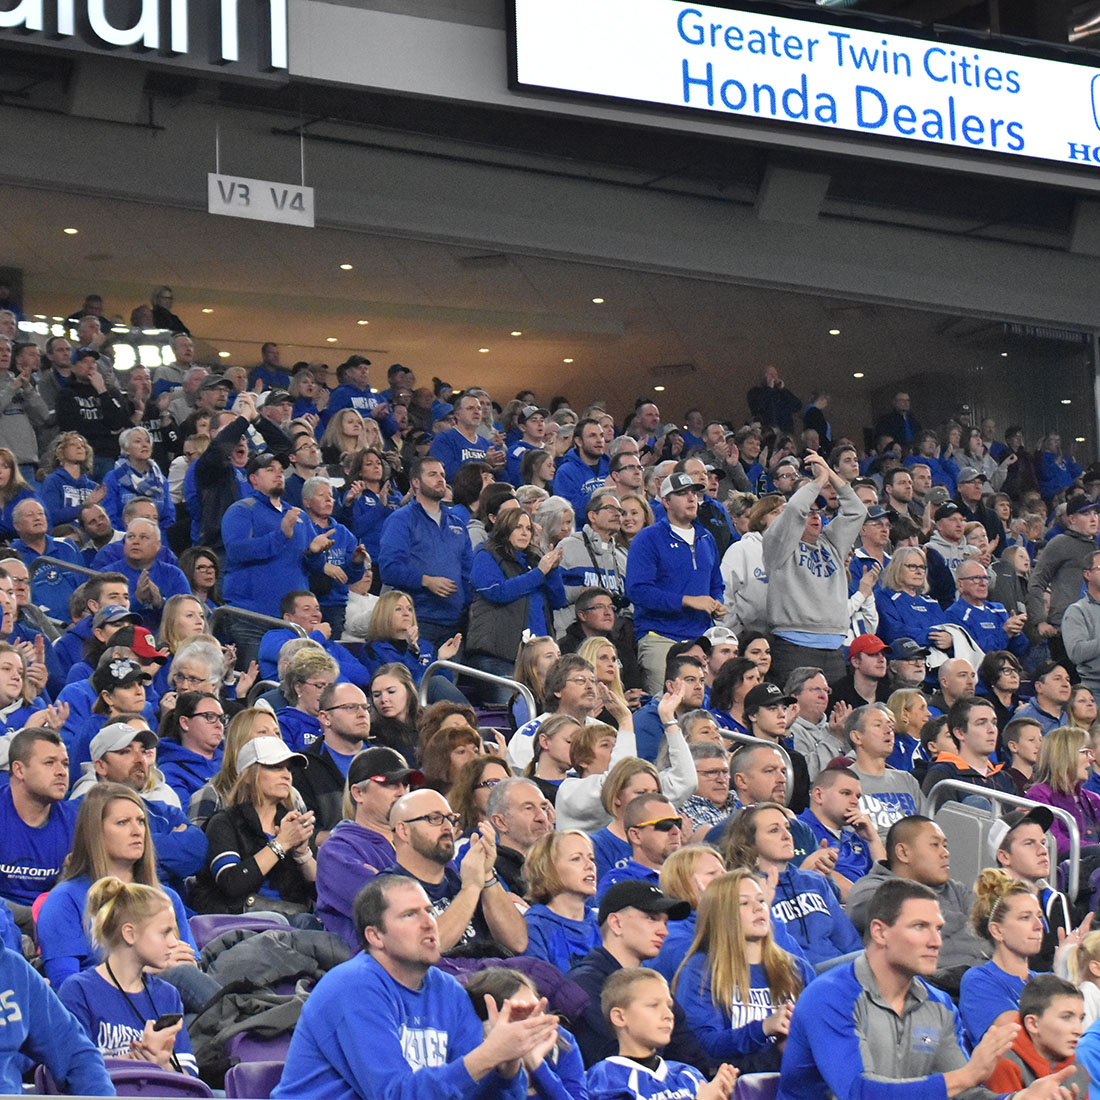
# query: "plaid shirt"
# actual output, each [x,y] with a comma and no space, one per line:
[704,812]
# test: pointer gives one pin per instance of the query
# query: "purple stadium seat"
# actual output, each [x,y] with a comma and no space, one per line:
[756,1086]
[248,1046]
[252,1079]
[209,926]
[134,1079]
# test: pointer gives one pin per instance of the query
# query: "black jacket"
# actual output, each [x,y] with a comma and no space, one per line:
[321,784]
[622,637]
[214,477]
[594,1036]
[99,417]
[237,829]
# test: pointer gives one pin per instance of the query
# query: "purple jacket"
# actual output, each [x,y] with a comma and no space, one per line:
[350,857]
[1085,807]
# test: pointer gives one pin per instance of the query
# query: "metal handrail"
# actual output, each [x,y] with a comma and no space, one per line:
[58,563]
[1017,802]
[477,674]
[226,610]
[748,739]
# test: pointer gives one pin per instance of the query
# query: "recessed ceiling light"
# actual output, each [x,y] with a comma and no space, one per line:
[362,322]
[1067,401]
[223,354]
[39,316]
[659,389]
[58,318]
[483,351]
[208,310]
[834,332]
[345,267]
[1004,354]
[516,332]
[597,301]
[1079,439]
[70,231]
[330,339]
[567,360]
[857,374]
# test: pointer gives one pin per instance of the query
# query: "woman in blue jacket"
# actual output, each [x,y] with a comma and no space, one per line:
[759,839]
[905,610]
[69,486]
[560,871]
[516,588]
[1056,470]
[737,987]
[135,474]
[369,501]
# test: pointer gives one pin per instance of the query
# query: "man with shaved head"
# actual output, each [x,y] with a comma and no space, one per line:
[471,906]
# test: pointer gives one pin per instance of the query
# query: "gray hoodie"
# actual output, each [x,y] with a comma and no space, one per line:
[808,583]
[1058,568]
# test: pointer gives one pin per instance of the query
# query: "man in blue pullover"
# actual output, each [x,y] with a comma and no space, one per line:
[354,392]
[390,1024]
[987,622]
[672,578]
[874,1029]
[266,549]
[426,552]
[584,468]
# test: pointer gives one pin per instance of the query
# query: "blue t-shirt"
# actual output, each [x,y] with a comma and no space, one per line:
[109,1018]
[985,992]
[64,944]
[618,1077]
[608,850]
[31,858]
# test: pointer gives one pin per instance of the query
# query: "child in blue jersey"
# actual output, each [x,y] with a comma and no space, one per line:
[638,1006]
[134,926]
[736,986]
[555,1071]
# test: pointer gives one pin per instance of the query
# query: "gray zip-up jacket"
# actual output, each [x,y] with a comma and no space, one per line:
[1059,568]
[808,582]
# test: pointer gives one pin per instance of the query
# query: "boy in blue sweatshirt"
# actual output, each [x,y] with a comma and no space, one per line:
[638,1007]
[390,1024]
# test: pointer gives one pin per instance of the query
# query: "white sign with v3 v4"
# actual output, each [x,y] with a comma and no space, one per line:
[823,74]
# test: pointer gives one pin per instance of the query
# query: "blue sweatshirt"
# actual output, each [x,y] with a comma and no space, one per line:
[661,568]
[384,652]
[364,402]
[853,856]
[558,939]
[576,481]
[368,515]
[62,495]
[813,915]
[66,949]
[608,850]
[350,857]
[986,625]
[261,563]
[414,546]
[340,553]
[454,450]
[351,670]
[39,1028]
[185,771]
[513,467]
[51,588]
[417,1040]
[903,616]
[734,1032]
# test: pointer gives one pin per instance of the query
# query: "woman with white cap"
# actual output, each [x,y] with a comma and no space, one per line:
[260,852]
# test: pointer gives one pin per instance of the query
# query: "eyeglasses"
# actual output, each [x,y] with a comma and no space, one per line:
[718,773]
[611,508]
[183,678]
[211,716]
[662,825]
[584,681]
[359,708]
[630,466]
[976,577]
[320,685]
[486,784]
[596,607]
[917,566]
[436,819]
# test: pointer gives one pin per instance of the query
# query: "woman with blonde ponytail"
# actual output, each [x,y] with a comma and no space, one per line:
[1083,966]
[736,986]
[133,926]
[1007,915]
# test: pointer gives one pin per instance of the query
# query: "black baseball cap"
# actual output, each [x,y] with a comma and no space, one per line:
[1079,503]
[906,649]
[637,894]
[766,695]
[382,765]
[260,461]
[946,510]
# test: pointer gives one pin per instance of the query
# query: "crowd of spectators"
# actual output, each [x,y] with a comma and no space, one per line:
[695,842]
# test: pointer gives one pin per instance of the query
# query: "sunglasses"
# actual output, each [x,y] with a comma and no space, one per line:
[662,825]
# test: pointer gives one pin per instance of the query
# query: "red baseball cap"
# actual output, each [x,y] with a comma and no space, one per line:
[866,643]
[144,646]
